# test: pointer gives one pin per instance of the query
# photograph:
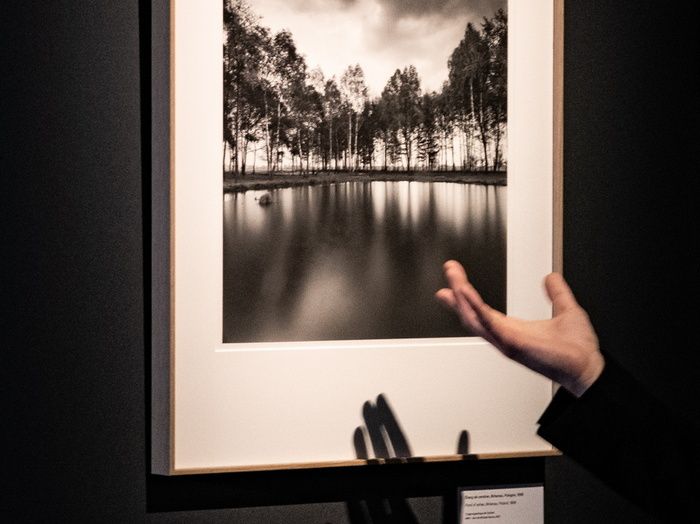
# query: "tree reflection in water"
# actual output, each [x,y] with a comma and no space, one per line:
[357,260]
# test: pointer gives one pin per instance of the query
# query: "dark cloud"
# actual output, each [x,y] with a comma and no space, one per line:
[397,9]
[316,5]
[383,34]
[405,25]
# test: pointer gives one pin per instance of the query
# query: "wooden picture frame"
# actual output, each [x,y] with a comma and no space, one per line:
[237,407]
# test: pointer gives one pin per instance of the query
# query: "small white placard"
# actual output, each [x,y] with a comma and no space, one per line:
[504,505]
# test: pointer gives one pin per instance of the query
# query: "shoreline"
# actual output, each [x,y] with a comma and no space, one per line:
[253,182]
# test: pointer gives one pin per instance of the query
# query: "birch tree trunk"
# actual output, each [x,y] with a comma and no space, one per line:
[348,155]
[277,137]
[244,155]
[356,161]
[268,149]
[330,143]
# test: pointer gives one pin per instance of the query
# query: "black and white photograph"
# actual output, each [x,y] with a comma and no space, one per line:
[364,143]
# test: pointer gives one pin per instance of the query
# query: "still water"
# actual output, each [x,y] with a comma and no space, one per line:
[357,260]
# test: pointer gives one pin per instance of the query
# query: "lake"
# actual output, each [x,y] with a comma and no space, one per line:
[357,260]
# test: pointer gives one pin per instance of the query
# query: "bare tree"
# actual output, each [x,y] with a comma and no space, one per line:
[354,92]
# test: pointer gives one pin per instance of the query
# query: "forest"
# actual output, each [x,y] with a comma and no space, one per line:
[279,115]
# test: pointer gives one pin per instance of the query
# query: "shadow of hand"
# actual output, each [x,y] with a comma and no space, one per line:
[383,431]
[388,443]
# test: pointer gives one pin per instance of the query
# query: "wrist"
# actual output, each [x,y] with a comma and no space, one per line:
[580,384]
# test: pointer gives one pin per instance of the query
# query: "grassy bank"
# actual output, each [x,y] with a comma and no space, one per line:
[236,184]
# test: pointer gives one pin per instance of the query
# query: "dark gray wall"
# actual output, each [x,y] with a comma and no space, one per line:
[73,357]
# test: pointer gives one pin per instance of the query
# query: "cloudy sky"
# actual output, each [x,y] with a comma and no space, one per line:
[380,35]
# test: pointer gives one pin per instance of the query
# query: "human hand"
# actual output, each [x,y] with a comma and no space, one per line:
[563,348]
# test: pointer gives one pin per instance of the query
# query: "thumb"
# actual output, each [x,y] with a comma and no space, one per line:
[559,293]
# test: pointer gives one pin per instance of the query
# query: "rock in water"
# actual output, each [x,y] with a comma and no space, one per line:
[265,199]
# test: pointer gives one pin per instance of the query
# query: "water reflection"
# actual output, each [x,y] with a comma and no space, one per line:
[358,260]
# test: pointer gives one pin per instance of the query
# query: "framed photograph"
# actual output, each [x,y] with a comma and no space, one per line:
[313,165]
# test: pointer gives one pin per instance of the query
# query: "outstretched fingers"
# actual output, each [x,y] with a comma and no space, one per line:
[466,302]
[460,307]
[559,293]
[495,325]
[455,274]
[470,317]
[456,278]
[447,298]
[467,314]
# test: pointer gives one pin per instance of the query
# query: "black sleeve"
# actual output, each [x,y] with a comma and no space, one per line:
[627,438]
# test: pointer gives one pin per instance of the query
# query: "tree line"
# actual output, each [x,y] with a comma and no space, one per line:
[274,106]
